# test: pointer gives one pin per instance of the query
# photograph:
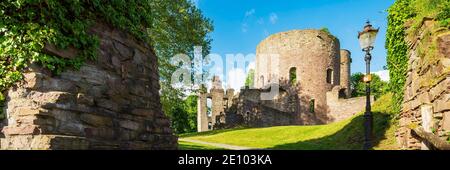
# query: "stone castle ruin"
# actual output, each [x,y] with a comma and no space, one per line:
[314,86]
[110,103]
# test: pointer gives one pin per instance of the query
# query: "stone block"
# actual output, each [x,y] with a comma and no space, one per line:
[33,80]
[125,52]
[108,104]
[444,45]
[442,104]
[96,120]
[68,53]
[85,99]
[143,112]
[100,133]
[130,125]
[21,130]
[446,121]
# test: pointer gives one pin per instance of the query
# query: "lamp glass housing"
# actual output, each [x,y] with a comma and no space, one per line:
[367,39]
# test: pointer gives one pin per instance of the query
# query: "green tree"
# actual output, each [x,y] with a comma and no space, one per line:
[180,26]
[184,115]
[190,105]
[378,87]
[250,79]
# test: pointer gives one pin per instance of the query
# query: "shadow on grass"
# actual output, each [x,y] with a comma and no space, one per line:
[351,137]
[207,133]
[193,146]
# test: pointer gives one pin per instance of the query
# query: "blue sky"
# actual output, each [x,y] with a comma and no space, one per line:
[239,25]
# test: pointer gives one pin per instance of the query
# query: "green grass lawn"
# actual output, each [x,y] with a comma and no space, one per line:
[347,134]
[183,145]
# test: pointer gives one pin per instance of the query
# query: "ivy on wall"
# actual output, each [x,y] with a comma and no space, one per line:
[397,59]
[27,25]
[400,12]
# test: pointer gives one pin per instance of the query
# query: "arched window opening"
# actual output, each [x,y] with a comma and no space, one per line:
[312,104]
[293,76]
[330,76]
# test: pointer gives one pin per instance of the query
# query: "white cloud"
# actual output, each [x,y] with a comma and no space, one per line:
[250,13]
[273,18]
[250,66]
[236,79]
[384,74]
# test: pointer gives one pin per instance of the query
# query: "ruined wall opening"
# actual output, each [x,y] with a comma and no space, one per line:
[293,76]
[312,105]
[208,107]
[209,126]
[330,76]
[342,93]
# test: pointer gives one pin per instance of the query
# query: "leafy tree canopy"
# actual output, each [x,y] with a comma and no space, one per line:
[378,87]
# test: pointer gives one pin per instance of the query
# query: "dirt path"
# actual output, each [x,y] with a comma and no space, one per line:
[219,145]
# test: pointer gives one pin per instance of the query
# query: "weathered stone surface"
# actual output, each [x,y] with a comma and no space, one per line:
[85,99]
[444,45]
[21,130]
[69,53]
[427,91]
[441,105]
[110,103]
[446,121]
[97,121]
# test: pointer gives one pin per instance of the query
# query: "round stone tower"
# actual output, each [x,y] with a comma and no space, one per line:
[346,61]
[306,58]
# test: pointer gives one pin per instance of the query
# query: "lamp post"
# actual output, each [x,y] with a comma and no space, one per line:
[366,41]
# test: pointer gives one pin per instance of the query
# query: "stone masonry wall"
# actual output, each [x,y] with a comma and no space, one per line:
[427,90]
[341,108]
[312,53]
[111,103]
[345,76]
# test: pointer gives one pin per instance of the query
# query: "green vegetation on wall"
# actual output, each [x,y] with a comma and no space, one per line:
[171,27]
[250,79]
[397,59]
[413,12]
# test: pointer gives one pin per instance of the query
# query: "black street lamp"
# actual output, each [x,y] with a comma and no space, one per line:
[366,41]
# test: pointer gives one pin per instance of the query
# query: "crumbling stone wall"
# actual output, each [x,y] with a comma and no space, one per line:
[320,66]
[111,103]
[426,101]
[343,108]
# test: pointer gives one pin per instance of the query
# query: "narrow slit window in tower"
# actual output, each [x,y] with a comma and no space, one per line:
[293,76]
[330,76]
[312,104]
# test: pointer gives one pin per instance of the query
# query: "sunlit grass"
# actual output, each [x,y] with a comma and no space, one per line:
[347,134]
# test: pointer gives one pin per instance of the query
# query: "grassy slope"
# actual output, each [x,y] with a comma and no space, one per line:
[347,134]
[182,145]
